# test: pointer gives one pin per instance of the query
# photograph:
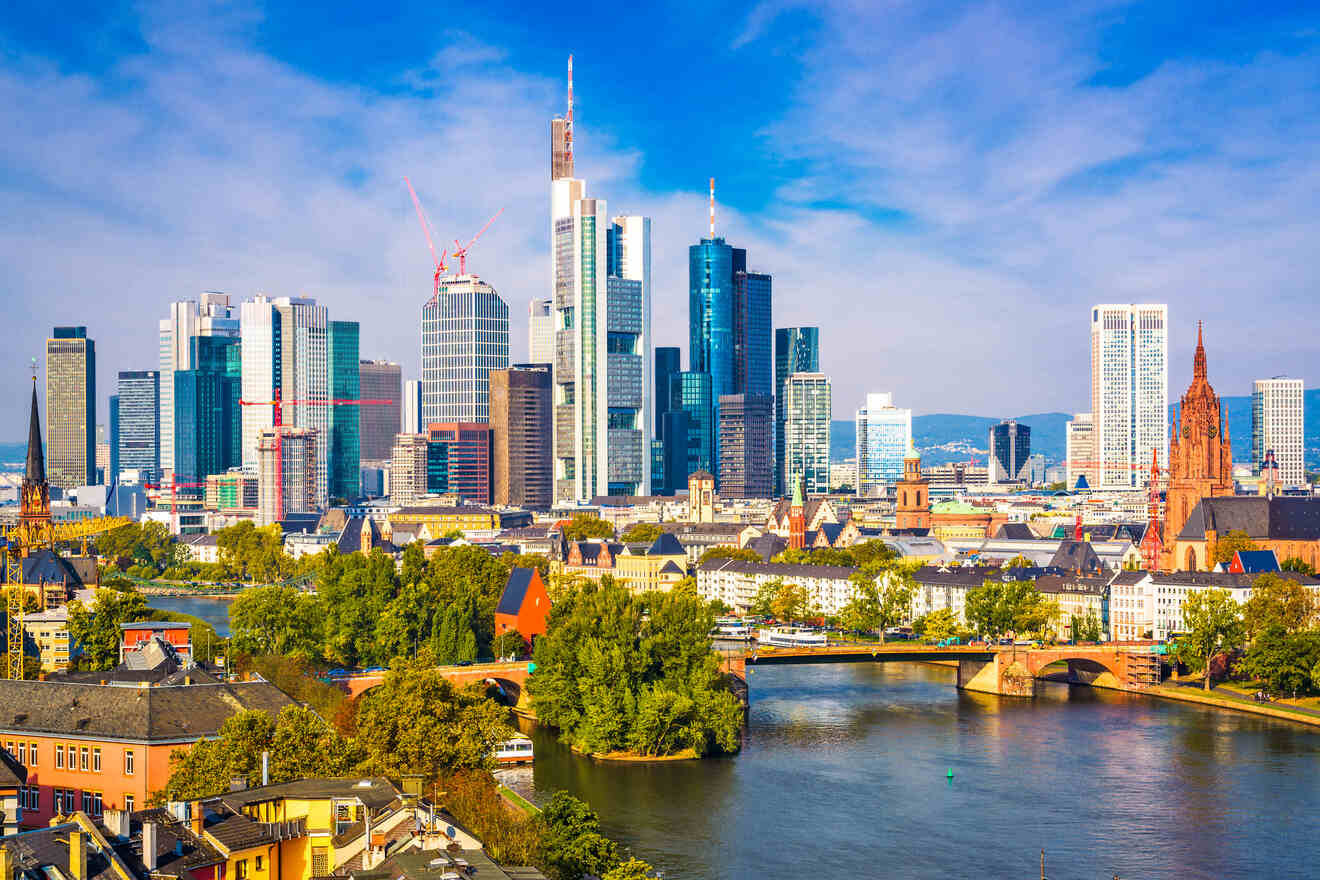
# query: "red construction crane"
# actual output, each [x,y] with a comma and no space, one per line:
[426,230]
[1152,543]
[462,252]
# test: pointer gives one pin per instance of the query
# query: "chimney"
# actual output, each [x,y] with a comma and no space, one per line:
[265,768]
[117,823]
[149,845]
[77,856]
[6,863]
[368,861]
[198,820]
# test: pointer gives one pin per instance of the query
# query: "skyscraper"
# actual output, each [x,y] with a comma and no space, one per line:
[287,473]
[808,409]
[70,408]
[1129,391]
[139,424]
[1079,443]
[408,468]
[377,424]
[208,316]
[691,394]
[412,407]
[746,441]
[465,335]
[1010,448]
[884,435]
[113,476]
[1276,426]
[797,350]
[541,331]
[522,431]
[601,280]
[666,367]
[345,448]
[466,453]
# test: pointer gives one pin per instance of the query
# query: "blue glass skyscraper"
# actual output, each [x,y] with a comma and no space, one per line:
[797,350]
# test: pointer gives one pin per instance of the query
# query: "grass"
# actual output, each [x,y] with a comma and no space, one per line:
[1236,695]
[518,800]
[1247,689]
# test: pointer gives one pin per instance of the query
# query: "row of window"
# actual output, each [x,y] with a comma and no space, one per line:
[71,757]
[66,800]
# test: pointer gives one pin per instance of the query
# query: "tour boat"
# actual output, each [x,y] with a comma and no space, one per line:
[732,631]
[792,637]
[514,751]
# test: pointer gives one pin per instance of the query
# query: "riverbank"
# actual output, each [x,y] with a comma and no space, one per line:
[1220,701]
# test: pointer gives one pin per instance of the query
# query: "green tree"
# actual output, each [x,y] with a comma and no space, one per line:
[1283,660]
[276,620]
[1236,540]
[942,624]
[633,869]
[766,595]
[746,554]
[791,603]
[510,643]
[149,546]
[1086,629]
[999,607]
[642,532]
[1278,601]
[96,633]
[1019,561]
[1301,566]
[584,526]
[572,844]
[1214,626]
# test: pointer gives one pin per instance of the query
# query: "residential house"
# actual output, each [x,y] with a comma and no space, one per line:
[736,583]
[524,605]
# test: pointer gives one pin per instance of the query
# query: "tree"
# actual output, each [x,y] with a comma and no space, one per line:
[1278,601]
[1019,561]
[1086,629]
[766,595]
[1229,545]
[584,526]
[746,554]
[999,607]
[97,632]
[1283,660]
[791,603]
[276,620]
[1214,626]
[571,841]
[941,624]
[642,532]
[633,869]
[1301,566]
[510,643]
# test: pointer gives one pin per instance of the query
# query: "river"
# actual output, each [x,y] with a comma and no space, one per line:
[844,774]
[213,611]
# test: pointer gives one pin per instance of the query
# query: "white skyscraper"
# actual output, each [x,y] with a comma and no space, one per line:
[1079,440]
[541,331]
[1129,392]
[1276,426]
[211,316]
[284,347]
[412,407]
[808,410]
[884,434]
[465,335]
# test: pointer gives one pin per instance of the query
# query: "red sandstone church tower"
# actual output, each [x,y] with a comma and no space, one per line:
[913,508]
[797,521]
[1200,457]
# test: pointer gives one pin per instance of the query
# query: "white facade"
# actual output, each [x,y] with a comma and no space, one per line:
[1129,392]
[1079,439]
[884,435]
[465,335]
[541,331]
[211,316]
[412,407]
[1276,426]
[736,583]
[808,409]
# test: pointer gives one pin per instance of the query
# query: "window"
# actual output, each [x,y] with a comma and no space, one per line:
[320,861]
[240,869]
[21,754]
[129,803]
[258,864]
[128,762]
[32,754]
[82,758]
[59,757]
[86,801]
[96,760]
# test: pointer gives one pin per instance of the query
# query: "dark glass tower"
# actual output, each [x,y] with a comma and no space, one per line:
[343,474]
[797,350]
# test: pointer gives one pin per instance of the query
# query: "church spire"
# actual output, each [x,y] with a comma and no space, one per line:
[36,460]
[1198,366]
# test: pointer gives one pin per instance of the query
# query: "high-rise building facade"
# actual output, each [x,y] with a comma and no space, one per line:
[666,367]
[378,423]
[746,446]
[1129,391]
[808,409]
[286,354]
[70,408]
[1079,441]
[113,476]
[210,315]
[344,479]
[1276,426]
[1010,447]
[691,394]
[466,454]
[465,335]
[408,462]
[412,407]
[884,435]
[522,429]
[797,350]
[139,424]
[287,473]
[541,331]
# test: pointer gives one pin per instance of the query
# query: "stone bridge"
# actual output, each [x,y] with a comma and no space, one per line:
[509,677]
[1007,670]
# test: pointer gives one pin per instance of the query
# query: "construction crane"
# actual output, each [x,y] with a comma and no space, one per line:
[174,486]
[462,252]
[426,230]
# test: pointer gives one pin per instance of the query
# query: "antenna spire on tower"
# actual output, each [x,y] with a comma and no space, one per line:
[712,207]
[568,121]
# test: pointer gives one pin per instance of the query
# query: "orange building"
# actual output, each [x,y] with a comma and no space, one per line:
[524,605]
[94,747]
[176,634]
[912,510]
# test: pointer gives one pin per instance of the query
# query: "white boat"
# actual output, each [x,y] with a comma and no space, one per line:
[514,751]
[732,631]
[792,637]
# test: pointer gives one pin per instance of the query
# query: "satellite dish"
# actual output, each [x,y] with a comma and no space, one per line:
[450,832]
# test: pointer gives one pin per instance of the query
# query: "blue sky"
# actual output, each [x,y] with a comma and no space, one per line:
[944,188]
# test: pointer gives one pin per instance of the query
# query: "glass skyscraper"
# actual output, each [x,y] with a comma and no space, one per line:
[113,476]
[139,424]
[797,350]
[808,411]
[465,335]
[691,393]
[1010,447]
[345,476]
[208,316]
[70,408]
[884,433]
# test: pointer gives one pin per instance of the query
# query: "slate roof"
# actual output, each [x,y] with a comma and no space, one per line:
[666,545]
[768,546]
[12,773]
[1016,532]
[34,850]
[432,864]
[350,537]
[1071,584]
[515,591]
[46,567]
[832,531]
[671,568]
[178,850]
[1224,579]
[1076,555]
[1262,518]
[165,713]
[780,569]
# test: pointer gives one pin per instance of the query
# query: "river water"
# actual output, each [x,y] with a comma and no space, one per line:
[844,774]
[213,611]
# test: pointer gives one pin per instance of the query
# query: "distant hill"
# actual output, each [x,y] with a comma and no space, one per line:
[944,437]
[12,456]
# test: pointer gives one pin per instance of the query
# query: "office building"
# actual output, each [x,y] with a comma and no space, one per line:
[378,423]
[691,395]
[408,466]
[344,479]
[541,331]
[807,414]
[102,456]
[465,335]
[412,407]
[285,354]
[113,476]
[208,316]
[1010,448]
[1079,442]
[458,460]
[797,350]
[746,446]
[1276,426]
[287,473]
[884,435]
[1129,392]
[70,408]
[232,492]
[139,424]
[666,367]
[521,433]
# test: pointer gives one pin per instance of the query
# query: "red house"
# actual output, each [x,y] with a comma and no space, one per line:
[135,635]
[524,605]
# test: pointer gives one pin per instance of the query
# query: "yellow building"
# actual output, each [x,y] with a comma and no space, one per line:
[49,631]
[1078,597]
[464,518]
[637,567]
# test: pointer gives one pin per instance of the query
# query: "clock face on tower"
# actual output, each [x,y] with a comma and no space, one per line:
[1214,432]
[1187,430]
